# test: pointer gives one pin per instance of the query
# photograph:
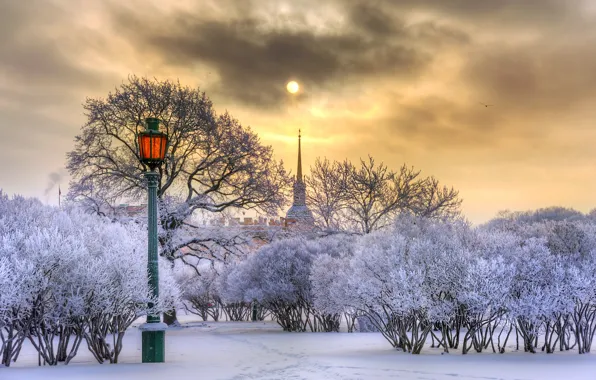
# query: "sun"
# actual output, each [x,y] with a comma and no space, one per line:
[292,87]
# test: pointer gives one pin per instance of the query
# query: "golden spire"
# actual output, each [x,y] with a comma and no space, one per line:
[299,172]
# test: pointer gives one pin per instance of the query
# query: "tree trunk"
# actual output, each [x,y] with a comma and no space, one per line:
[170,318]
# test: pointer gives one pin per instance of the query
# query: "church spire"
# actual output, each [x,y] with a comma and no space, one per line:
[299,172]
[299,212]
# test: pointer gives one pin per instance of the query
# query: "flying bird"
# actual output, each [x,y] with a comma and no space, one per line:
[486,105]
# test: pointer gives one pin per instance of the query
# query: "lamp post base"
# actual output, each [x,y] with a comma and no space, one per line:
[153,336]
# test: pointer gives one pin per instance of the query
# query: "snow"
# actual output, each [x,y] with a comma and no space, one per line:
[260,350]
[153,327]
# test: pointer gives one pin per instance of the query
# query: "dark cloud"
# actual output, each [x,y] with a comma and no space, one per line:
[376,19]
[254,61]
[385,21]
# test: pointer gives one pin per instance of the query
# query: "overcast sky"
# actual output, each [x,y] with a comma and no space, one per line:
[401,80]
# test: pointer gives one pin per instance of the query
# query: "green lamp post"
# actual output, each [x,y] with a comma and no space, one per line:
[152,151]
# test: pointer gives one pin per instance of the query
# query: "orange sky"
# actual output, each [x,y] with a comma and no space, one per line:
[400,80]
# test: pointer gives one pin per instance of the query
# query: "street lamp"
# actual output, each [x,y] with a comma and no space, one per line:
[152,150]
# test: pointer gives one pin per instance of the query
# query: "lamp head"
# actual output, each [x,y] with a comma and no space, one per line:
[152,144]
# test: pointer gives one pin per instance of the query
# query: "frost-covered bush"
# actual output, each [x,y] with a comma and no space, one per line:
[407,279]
[552,294]
[388,287]
[426,278]
[199,290]
[486,289]
[277,276]
[329,278]
[529,283]
[442,250]
[72,277]
[236,300]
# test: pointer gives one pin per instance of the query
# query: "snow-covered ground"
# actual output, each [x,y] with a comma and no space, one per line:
[260,350]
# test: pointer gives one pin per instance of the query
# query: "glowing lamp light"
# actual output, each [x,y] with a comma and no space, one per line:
[152,144]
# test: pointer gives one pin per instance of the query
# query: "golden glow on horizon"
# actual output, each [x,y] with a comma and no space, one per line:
[292,87]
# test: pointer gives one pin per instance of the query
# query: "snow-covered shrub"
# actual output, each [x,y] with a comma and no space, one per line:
[442,250]
[333,288]
[329,280]
[387,285]
[581,285]
[120,254]
[75,277]
[406,280]
[199,290]
[486,290]
[330,256]
[529,290]
[11,297]
[552,292]
[18,218]
[236,297]
[278,277]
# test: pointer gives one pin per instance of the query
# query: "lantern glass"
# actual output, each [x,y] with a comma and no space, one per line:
[152,147]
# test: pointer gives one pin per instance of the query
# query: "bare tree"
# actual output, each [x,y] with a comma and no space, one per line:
[212,163]
[374,194]
[326,192]
[368,197]
[436,201]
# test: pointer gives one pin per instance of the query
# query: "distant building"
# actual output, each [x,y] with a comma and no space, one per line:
[261,230]
[130,210]
[248,221]
[299,215]
[126,210]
